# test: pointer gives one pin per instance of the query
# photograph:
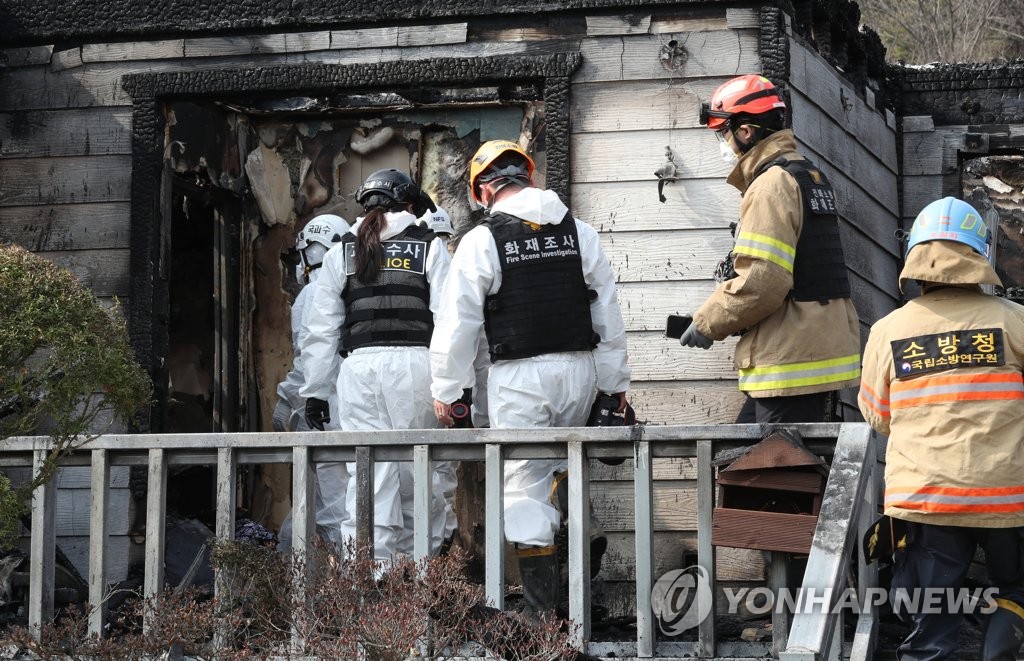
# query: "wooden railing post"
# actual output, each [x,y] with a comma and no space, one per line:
[422,482]
[43,547]
[303,505]
[579,543]
[364,499]
[643,486]
[303,528]
[706,641]
[227,473]
[99,497]
[156,523]
[494,525]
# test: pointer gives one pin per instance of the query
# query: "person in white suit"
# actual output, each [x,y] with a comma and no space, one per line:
[312,243]
[375,302]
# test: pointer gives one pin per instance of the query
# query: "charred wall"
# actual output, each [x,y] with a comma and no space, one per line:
[28,23]
[991,93]
[833,29]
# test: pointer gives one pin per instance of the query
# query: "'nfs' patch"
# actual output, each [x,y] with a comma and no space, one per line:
[979,347]
[408,256]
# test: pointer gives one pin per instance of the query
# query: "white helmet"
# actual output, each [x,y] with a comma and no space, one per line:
[439,221]
[314,240]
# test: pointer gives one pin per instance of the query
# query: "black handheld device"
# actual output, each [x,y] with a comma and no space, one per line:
[677,325]
[461,411]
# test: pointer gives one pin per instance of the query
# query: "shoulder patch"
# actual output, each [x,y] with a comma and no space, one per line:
[408,256]
[980,347]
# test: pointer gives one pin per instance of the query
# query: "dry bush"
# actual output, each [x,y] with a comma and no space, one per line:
[352,608]
[177,621]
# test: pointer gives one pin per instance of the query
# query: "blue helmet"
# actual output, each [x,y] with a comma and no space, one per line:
[950,219]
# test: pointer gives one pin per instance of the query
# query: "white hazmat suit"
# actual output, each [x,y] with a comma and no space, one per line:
[379,388]
[332,478]
[549,390]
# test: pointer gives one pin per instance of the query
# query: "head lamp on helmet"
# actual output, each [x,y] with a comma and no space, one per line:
[497,160]
[950,219]
[740,97]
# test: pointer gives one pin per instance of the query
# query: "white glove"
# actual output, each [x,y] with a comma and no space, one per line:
[282,413]
[693,338]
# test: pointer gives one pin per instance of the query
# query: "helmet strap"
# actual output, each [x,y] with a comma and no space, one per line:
[757,134]
[501,183]
[744,147]
[308,268]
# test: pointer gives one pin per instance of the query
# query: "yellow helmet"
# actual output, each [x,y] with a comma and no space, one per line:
[481,170]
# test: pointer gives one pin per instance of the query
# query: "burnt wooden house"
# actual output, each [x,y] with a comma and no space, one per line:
[167,153]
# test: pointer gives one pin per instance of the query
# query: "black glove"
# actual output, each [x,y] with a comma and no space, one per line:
[693,338]
[318,413]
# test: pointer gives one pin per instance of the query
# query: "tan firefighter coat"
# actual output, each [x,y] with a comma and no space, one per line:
[943,378]
[789,347]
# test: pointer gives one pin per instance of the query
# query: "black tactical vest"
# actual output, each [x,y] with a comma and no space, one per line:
[394,309]
[543,304]
[819,270]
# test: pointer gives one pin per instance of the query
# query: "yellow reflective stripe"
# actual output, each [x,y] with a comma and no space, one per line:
[1011,606]
[794,375]
[765,247]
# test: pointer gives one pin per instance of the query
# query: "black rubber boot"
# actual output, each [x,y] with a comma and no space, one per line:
[1004,633]
[538,569]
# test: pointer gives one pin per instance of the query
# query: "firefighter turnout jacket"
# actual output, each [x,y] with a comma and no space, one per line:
[799,332]
[943,378]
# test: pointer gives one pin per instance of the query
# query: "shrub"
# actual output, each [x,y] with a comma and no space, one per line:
[391,613]
[64,360]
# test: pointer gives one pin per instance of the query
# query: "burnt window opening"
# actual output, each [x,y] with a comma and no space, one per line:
[259,179]
[244,183]
[994,184]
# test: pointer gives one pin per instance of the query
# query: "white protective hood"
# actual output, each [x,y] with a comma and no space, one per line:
[542,207]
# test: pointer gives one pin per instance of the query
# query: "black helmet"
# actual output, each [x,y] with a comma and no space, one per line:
[393,189]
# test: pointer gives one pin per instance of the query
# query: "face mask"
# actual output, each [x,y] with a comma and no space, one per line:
[728,155]
[315,253]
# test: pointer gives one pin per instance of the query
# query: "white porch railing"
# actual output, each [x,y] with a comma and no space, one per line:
[811,635]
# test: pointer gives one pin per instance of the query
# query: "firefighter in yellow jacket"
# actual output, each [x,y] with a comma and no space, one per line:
[943,378]
[784,287]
